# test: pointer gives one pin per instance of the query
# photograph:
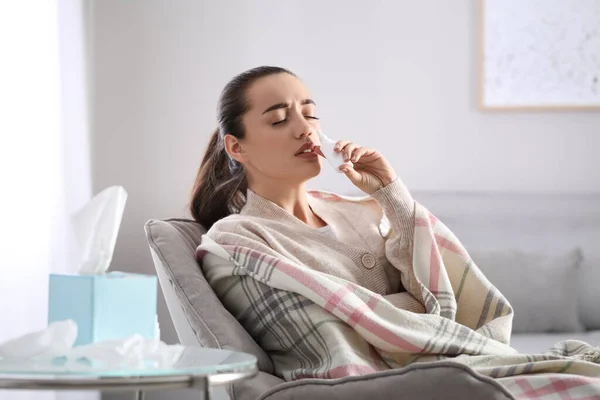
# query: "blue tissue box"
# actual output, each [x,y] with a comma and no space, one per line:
[105,307]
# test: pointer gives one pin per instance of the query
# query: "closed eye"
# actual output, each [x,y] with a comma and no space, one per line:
[285,120]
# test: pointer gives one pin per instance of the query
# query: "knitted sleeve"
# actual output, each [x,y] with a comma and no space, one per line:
[399,209]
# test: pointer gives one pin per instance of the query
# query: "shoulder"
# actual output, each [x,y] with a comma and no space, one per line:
[242,231]
[235,225]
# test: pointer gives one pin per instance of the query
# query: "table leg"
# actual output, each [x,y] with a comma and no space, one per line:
[139,395]
[204,385]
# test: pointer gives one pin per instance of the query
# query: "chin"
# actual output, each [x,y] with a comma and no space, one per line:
[315,170]
[309,172]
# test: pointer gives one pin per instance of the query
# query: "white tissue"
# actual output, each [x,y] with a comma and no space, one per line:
[336,160]
[96,228]
[134,352]
[58,338]
[52,350]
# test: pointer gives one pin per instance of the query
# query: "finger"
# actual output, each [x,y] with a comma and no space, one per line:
[348,150]
[340,145]
[350,172]
[358,153]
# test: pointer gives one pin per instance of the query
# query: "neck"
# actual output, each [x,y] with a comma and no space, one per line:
[291,198]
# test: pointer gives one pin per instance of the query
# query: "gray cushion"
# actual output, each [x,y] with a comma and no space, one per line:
[542,288]
[175,242]
[426,381]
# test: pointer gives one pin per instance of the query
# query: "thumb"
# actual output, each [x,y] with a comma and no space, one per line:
[351,173]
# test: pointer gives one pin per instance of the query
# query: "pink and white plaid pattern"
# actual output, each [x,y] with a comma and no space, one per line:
[552,387]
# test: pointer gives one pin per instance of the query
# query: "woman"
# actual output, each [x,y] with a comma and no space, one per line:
[256,168]
[328,285]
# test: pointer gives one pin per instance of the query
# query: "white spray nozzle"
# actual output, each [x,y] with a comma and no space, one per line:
[336,160]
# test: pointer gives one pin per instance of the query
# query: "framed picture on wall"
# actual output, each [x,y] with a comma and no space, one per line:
[539,54]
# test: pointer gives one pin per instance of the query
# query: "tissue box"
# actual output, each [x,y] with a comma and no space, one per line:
[105,307]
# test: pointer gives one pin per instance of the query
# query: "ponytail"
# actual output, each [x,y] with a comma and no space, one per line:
[220,186]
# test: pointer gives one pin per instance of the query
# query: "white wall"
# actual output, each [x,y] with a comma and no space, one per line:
[396,75]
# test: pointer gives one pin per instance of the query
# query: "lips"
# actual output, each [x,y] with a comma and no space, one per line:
[306,146]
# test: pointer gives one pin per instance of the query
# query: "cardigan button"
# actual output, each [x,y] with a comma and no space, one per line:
[368,261]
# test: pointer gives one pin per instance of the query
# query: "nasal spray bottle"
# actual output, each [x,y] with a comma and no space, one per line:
[336,160]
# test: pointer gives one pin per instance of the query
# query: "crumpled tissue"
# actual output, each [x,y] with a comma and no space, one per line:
[52,349]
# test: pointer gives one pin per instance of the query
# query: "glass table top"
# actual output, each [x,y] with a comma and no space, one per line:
[192,361]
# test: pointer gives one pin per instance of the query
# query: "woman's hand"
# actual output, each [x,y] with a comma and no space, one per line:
[371,170]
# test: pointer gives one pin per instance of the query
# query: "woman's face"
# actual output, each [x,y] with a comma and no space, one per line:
[281,118]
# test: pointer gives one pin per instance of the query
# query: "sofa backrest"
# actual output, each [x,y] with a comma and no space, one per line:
[173,244]
[548,223]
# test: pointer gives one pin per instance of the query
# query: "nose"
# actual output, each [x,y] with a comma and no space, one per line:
[308,134]
[305,130]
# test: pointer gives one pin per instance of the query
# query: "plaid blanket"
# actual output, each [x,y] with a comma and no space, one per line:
[552,386]
[317,325]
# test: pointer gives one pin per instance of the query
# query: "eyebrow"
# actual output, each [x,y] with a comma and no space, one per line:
[286,105]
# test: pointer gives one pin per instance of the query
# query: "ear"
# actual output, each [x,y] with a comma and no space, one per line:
[234,148]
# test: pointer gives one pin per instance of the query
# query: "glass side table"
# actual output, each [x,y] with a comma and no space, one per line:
[197,368]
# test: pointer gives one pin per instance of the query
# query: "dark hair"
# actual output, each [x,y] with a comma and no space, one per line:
[220,186]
